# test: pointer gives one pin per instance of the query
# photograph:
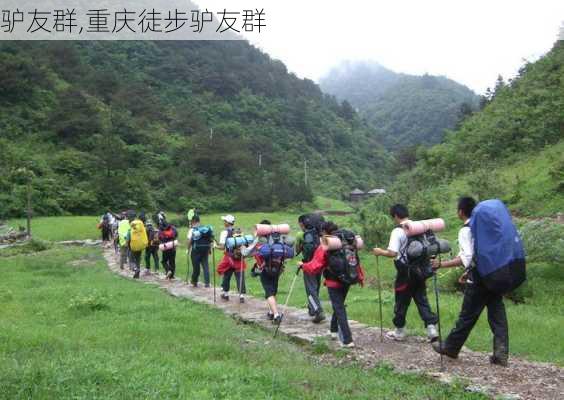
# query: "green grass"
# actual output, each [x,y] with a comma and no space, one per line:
[535,327]
[80,332]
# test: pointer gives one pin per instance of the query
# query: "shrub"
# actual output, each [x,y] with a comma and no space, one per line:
[544,241]
[89,302]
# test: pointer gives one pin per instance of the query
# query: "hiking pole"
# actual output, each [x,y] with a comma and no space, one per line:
[287,300]
[188,256]
[438,313]
[380,298]
[213,267]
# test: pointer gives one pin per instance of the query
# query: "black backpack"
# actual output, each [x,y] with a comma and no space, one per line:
[343,263]
[312,233]
[418,252]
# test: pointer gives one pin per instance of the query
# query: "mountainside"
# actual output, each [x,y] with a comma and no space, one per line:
[404,110]
[513,149]
[171,124]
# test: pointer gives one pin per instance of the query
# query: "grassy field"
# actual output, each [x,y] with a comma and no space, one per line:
[535,326]
[69,328]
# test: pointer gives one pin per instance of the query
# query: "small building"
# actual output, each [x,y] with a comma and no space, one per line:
[357,195]
[375,192]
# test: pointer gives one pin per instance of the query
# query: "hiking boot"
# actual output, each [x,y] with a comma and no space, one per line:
[194,284]
[502,362]
[169,275]
[347,345]
[397,334]
[440,348]
[318,318]
[136,274]
[224,296]
[432,333]
[277,318]
[241,299]
[269,316]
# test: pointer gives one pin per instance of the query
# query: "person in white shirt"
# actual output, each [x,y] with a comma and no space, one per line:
[407,285]
[476,297]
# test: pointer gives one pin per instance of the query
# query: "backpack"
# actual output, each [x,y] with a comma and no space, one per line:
[202,236]
[418,252]
[312,233]
[275,252]
[168,234]
[153,236]
[234,251]
[138,240]
[498,250]
[123,229]
[343,264]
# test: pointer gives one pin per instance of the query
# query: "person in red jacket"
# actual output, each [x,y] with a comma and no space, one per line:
[337,290]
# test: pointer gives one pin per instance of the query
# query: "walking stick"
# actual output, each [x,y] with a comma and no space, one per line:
[287,300]
[188,256]
[438,312]
[380,299]
[213,267]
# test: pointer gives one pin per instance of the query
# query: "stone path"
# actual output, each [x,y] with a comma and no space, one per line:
[522,380]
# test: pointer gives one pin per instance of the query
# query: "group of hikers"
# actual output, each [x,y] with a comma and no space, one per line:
[490,252]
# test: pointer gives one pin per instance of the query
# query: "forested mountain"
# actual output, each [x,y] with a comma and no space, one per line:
[171,124]
[404,110]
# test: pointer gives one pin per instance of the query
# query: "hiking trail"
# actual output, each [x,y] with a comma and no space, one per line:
[522,380]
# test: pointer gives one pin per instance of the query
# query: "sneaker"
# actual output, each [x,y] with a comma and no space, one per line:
[397,334]
[169,275]
[241,299]
[269,316]
[502,362]
[224,296]
[440,348]
[277,319]
[334,335]
[147,271]
[432,333]
[347,346]
[318,318]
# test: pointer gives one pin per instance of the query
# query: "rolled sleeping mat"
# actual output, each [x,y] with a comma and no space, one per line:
[331,243]
[168,245]
[265,230]
[413,228]
[417,249]
[237,241]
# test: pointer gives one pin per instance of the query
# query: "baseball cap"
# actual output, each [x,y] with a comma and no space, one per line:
[230,219]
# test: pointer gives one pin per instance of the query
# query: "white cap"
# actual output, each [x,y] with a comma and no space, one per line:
[230,219]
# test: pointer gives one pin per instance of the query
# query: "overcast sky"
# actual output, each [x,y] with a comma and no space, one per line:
[471,42]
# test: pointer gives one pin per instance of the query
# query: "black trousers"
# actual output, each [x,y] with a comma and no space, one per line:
[200,259]
[135,259]
[152,251]
[239,277]
[339,320]
[106,233]
[476,298]
[269,283]
[169,261]
[312,284]
[407,287]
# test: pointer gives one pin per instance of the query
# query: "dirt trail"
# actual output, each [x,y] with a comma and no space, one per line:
[522,380]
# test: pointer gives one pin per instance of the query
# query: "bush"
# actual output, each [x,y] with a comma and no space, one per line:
[543,241]
[90,302]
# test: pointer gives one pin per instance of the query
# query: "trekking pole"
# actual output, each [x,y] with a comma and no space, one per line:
[213,267]
[188,255]
[287,300]
[380,298]
[438,312]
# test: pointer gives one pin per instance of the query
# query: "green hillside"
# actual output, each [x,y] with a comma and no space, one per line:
[129,124]
[403,110]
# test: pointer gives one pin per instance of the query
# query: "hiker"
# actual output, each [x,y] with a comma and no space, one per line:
[232,261]
[325,261]
[270,254]
[123,232]
[137,242]
[307,242]
[106,226]
[408,285]
[168,243]
[476,296]
[152,250]
[200,239]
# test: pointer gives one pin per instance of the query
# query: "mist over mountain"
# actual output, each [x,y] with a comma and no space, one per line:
[404,110]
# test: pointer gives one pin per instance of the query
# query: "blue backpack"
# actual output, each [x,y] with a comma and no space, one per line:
[202,236]
[275,252]
[498,249]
